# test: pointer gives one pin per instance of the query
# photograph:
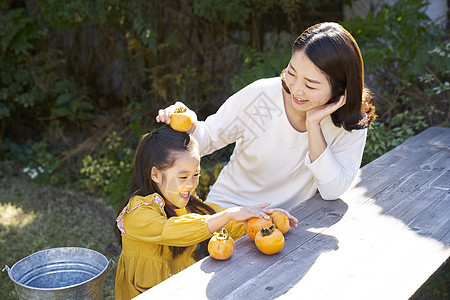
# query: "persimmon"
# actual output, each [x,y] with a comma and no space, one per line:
[281,221]
[255,224]
[221,245]
[181,120]
[269,240]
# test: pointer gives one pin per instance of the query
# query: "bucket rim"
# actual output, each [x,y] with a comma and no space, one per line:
[63,287]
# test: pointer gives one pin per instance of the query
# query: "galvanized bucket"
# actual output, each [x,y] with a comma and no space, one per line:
[60,273]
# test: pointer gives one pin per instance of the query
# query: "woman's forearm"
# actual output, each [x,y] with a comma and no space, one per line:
[316,141]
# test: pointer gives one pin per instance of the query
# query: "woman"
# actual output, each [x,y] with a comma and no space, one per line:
[295,134]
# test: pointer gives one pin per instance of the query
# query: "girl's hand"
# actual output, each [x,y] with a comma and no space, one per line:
[292,220]
[243,213]
[316,115]
[164,115]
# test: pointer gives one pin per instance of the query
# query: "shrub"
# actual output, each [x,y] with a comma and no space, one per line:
[108,174]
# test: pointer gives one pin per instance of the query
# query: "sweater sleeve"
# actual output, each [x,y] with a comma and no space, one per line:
[336,168]
[146,224]
[228,124]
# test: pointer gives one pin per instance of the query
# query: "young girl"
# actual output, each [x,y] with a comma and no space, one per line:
[162,222]
[295,134]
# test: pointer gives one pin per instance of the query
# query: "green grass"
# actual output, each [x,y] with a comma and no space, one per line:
[34,218]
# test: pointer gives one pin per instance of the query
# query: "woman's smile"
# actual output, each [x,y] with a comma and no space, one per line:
[299,100]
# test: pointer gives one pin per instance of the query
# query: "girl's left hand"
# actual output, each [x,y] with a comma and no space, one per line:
[316,115]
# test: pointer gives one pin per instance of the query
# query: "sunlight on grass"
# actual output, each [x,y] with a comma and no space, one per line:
[11,215]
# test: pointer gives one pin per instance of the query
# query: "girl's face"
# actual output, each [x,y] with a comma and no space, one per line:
[308,85]
[179,182]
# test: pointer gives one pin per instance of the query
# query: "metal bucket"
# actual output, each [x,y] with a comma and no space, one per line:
[60,273]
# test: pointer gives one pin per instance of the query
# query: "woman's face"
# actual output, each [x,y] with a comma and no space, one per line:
[308,85]
[179,182]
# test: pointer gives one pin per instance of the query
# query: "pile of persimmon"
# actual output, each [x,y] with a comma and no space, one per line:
[221,245]
[268,234]
[181,120]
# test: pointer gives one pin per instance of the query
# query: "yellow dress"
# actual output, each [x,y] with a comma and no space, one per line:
[143,263]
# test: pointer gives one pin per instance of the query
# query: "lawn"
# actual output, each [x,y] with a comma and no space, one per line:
[34,218]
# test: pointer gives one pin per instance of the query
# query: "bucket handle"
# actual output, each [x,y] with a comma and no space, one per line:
[6,268]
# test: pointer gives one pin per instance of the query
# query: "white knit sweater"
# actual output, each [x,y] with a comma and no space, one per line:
[270,162]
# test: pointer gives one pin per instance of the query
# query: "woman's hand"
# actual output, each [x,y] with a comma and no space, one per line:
[316,115]
[243,213]
[316,140]
[164,115]
[238,213]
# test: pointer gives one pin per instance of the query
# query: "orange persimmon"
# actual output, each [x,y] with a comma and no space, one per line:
[255,224]
[269,240]
[281,221]
[221,245]
[180,120]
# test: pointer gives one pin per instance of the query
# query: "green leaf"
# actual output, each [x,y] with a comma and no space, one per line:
[62,112]
[63,99]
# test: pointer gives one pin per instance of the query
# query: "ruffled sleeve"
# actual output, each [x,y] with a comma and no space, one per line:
[136,202]
[145,221]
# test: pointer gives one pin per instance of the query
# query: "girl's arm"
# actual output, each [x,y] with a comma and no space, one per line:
[145,223]
[239,214]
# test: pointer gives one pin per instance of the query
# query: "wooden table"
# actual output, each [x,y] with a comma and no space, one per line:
[381,240]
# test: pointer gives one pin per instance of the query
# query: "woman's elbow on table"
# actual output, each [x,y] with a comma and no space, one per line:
[332,193]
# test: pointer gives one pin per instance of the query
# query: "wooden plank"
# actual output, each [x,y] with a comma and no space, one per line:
[391,262]
[404,158]
[291,268]
[387,237]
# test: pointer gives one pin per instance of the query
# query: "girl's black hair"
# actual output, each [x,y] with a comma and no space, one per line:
[159,149]
[334,51]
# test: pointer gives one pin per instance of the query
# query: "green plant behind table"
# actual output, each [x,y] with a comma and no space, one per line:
[406,59]
[108,173]
[383,137]
[18,36]
[66,14]
[259,65]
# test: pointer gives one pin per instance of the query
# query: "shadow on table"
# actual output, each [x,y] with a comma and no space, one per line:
[274,275]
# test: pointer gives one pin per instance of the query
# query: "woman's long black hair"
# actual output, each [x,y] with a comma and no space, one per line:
[334,51]
[159,149]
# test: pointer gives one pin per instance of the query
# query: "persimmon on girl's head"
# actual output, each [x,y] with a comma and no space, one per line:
[168,163]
